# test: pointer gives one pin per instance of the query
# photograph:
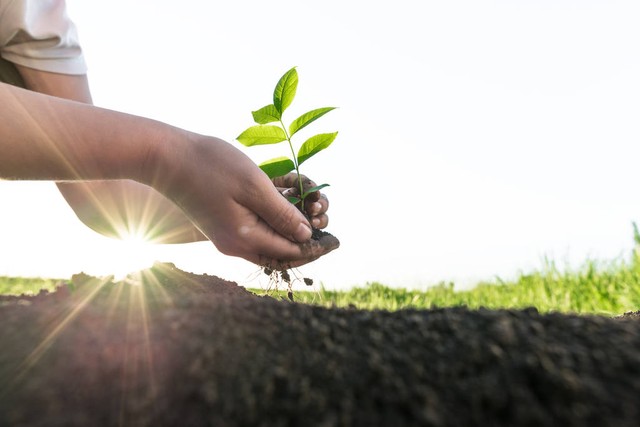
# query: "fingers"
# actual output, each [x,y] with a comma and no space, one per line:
[260,244]
[306,253]
[289,192]
[283,217]
[311,251]
[320,222]
[274,232]
[316,203]
[317,211]
[291,180]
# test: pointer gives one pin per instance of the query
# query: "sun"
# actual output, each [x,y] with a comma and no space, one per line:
[131,253]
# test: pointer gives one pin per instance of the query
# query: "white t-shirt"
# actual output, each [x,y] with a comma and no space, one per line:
[38,34]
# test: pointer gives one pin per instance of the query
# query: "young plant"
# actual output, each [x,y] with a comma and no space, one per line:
[266,133]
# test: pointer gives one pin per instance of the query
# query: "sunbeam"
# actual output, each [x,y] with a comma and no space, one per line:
[56,329]
[138,357]
[121,311]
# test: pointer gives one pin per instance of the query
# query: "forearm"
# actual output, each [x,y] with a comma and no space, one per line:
[113,208]
[48,138]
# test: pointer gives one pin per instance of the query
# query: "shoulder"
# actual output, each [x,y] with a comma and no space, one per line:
[39,34]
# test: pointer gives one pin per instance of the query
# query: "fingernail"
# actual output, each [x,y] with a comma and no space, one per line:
[303,233]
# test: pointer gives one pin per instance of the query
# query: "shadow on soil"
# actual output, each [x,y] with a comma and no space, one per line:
[169,348]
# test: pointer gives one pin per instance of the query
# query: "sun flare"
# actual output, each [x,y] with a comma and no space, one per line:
[132,253]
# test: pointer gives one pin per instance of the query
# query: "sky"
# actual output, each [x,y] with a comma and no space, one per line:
[476,138]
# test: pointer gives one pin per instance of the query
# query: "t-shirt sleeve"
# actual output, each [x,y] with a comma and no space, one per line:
[39,34]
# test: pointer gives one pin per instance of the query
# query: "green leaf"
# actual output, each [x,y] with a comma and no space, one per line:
[285,90]
[294,200]
[267,114]
[307,118]
[261,135]
[313,190]
[314,145]
[277,167]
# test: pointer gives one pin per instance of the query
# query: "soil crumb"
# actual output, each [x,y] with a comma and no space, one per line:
[169,348]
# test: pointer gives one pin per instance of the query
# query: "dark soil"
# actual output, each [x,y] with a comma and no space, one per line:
[188,350]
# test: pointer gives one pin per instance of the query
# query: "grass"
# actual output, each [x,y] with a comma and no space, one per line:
[26,285]
[596,288]
[609,288]
[604,288]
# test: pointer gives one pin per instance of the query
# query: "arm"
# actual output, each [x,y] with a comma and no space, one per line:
[118,207]
[221,190]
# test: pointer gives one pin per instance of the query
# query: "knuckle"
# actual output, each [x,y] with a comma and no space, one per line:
[279,181]
[307,182]
[287,180]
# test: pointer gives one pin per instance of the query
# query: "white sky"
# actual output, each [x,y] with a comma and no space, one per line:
[476,137]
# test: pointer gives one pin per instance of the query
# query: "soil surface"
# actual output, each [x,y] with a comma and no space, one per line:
[169,348]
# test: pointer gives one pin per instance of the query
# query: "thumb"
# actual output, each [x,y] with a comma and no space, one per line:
[284,217]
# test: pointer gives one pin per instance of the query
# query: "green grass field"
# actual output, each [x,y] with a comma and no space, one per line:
[596,288]
[607,288]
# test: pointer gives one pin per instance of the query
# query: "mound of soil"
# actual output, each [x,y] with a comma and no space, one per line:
[169,348]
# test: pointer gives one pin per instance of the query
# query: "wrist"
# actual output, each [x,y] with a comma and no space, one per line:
[163,151]
[176,161]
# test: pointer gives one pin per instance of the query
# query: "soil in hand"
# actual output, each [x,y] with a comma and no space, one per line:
[169,348]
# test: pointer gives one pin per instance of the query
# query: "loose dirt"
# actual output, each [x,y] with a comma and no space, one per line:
[169,348]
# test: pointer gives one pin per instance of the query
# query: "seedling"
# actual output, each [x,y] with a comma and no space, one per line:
[264,133]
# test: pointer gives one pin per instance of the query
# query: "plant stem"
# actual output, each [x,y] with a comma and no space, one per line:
[295,163]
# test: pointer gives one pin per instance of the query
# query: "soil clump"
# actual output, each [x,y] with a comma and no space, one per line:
[169,348]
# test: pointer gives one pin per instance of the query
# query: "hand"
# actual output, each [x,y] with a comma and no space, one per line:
[236,206]
[316,204]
